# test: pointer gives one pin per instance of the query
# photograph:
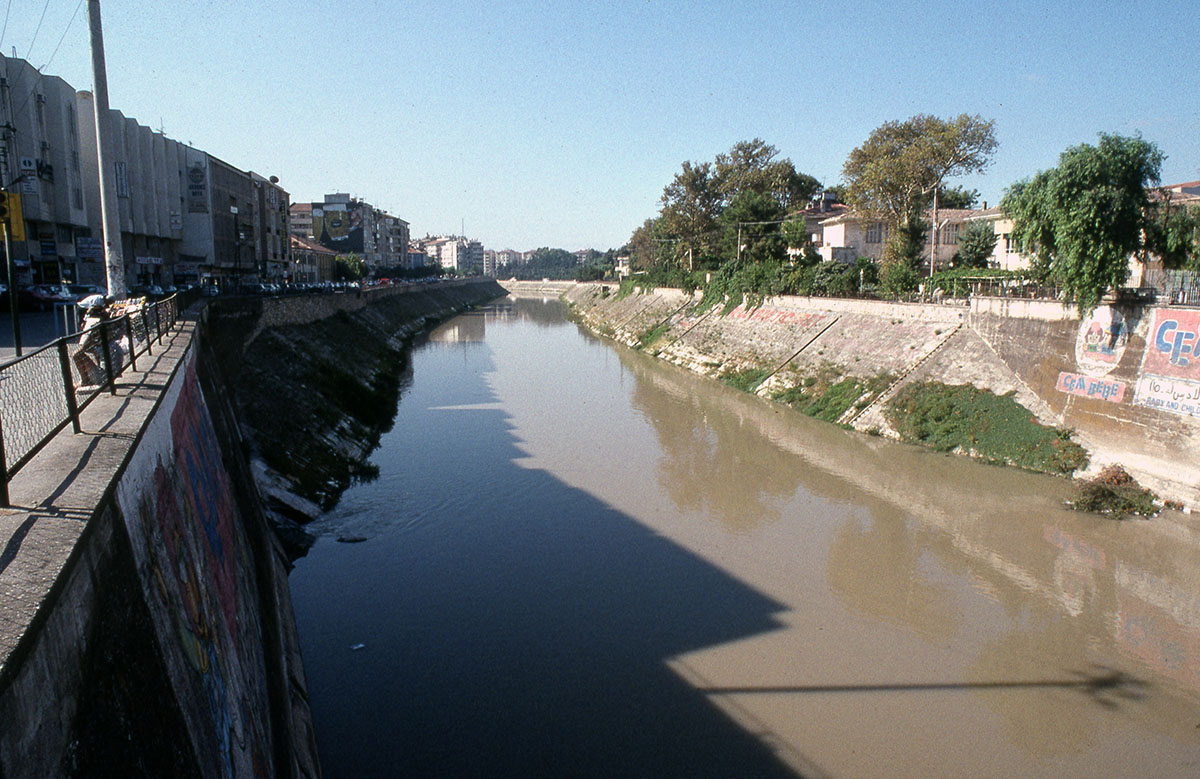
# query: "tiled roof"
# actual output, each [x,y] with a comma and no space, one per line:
[309,246]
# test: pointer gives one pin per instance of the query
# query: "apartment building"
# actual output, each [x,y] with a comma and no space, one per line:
[41,162]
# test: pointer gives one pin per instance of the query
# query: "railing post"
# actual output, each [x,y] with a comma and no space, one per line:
[3,468]
[129,337]
[146,324]
[108,365]
[158,321]
[148,338]
[68,386]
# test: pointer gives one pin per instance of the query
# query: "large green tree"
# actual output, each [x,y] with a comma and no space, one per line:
[753,218]
[892,175]
[693,226]
[753,166]
[1083,220]
[691,204]
[1174,233]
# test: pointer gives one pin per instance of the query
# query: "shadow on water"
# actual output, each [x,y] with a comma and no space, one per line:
[521,633]
[500,622]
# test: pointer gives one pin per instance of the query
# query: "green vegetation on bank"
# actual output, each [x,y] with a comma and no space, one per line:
[1113,491]
[981,423]
[829,394]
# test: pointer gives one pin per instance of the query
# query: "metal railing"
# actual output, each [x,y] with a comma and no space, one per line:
[45,390]
[1175,287]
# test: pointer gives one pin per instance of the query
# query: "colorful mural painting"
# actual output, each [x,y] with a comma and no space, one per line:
[1101,343]
[1170,375]
[339,226]
[1089,387]
[194,560]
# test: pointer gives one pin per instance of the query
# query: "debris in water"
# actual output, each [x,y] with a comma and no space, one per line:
[351,539]
[356,647]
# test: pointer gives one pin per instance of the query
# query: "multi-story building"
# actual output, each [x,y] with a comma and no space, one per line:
[41,162]
[396,253]
[506,257]
[300,220]
[272,211]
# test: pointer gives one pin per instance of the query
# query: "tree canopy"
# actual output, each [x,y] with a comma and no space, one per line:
[702,205]
[891,176]
[1082,220]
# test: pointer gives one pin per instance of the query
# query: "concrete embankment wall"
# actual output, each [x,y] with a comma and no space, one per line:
[166,645]
[1111,377]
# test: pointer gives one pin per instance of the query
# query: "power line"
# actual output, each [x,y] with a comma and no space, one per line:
[37,29]
[63,37]
[5,30]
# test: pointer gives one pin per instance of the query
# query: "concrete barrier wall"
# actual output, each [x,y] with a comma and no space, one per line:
[195,564]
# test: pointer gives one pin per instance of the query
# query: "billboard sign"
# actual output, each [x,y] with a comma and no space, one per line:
[1170,377]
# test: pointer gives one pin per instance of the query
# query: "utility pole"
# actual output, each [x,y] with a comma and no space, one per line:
[933,249]
[114,258]
[12,280]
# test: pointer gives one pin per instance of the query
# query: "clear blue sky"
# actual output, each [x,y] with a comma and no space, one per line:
[559,123]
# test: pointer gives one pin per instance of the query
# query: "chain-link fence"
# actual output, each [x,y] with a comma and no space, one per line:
[44,391]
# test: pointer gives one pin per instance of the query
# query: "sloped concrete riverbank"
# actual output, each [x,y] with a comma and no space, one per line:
[1109,378]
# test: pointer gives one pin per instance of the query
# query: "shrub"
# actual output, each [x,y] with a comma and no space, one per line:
[1113,491]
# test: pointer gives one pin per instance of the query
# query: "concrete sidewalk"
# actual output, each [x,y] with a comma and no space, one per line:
[56,494]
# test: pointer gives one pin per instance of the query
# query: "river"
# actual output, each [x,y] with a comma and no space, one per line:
[579,561]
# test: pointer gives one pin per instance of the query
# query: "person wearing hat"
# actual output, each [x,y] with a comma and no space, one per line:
[87,357]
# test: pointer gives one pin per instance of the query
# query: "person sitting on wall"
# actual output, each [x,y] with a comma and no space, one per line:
[88,356]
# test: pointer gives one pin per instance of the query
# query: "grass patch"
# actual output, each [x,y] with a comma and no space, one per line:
[653,334]
[982,423]
[1116,493]
[828,395]
[745,379]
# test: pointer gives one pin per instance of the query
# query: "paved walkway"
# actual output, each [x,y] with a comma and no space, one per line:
[55,494]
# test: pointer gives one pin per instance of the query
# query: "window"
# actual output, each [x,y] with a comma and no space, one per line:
[949,234]
[875,232]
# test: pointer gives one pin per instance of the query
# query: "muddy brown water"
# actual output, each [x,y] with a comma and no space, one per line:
[582,562]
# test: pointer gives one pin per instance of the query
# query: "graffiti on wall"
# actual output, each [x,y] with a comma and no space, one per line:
[1101,342]
[194,562]
[1089,387]
[1170,375]
[775,315]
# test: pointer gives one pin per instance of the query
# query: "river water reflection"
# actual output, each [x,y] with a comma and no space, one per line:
[580,561]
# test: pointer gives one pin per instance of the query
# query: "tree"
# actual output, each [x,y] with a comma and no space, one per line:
[1174,234]
[644,246]
[891,175]
[975,244]
[753,218]
[799,241]
[957,197]
[1083,220]
[750,166]
[691,204]
[349,267]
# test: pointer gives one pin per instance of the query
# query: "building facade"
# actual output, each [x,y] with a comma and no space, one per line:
[41,163]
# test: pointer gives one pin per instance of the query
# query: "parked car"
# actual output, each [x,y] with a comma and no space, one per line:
[148,291]
[81,291]
[42,297]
